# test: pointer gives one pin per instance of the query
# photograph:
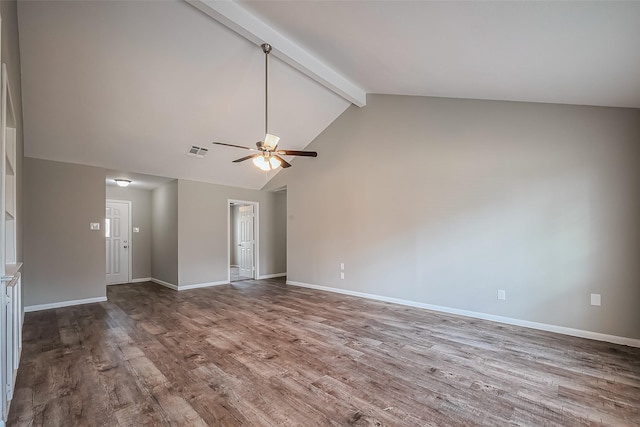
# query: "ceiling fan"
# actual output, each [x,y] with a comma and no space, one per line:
[268,157]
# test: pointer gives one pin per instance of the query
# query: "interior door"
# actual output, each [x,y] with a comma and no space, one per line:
[116,230]
[246,241]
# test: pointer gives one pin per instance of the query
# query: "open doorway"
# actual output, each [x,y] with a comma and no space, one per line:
[243,240]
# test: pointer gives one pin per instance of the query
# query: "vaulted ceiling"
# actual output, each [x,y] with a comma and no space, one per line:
[130,86]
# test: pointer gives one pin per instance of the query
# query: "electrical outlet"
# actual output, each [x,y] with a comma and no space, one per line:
[342,275]
[342,266]
[136,229]
[596,299]
[94,226]
[502,294]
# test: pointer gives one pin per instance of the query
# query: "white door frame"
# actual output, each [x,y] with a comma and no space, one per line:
[256,235]
[128,202]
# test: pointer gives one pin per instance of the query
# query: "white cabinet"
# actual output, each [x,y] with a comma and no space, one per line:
[11,300]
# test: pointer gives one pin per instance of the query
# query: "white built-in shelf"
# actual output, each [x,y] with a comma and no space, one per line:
[10,271]
[10,169]
[11,307]
[8,215]
[9,196]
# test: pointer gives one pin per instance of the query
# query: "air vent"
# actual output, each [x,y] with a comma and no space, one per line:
[196,151]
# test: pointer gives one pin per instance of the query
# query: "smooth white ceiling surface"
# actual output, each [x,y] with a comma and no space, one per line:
[130,86]
[556,52]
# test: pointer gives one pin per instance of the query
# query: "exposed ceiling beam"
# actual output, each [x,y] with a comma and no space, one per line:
[247,25]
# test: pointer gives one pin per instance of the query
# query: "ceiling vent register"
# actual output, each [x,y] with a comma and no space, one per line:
[196,151]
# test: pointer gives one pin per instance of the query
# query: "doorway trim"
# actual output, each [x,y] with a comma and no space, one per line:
[256,232]
[130,272]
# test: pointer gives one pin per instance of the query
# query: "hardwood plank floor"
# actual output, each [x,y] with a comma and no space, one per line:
[261,353]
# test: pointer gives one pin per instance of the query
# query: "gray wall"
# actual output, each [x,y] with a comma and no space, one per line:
[164,233]
[445,201]
[63,259]
[141,218]
[11,57]
[203,243]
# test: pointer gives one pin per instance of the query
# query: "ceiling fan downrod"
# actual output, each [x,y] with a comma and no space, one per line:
[266,48]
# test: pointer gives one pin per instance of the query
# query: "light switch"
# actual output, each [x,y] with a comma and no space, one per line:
[136,229]
[94,226]
[596,299]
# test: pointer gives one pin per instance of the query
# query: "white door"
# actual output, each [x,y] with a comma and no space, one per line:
[116,230]
[246,241]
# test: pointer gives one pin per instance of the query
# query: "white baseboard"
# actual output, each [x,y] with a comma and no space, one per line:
[60,304]
[632,342]
[187,287]
[163,283]
[203,285]
[142,279]
[271,276]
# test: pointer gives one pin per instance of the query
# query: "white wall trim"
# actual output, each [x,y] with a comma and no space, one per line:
[163,283]
[60,304]
[142,279]
[271,276]
[632,342]
[202,285]
[187,287]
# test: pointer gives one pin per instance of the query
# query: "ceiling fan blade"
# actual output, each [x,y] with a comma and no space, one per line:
[242,159]
[285,164]
[232,145]
[297,153]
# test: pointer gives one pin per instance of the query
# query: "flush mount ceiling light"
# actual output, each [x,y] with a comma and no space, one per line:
[268,158]
[122,182]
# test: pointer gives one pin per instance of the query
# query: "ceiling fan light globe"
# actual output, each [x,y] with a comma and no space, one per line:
[274,162]
[271,141]
[262,163]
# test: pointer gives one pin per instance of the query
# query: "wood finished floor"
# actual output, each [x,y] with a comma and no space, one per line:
[261,353]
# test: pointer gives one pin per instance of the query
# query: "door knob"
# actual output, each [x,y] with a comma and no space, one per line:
[125,246]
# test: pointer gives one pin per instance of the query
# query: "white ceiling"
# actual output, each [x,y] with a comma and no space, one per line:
[577,52]
[131,86]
